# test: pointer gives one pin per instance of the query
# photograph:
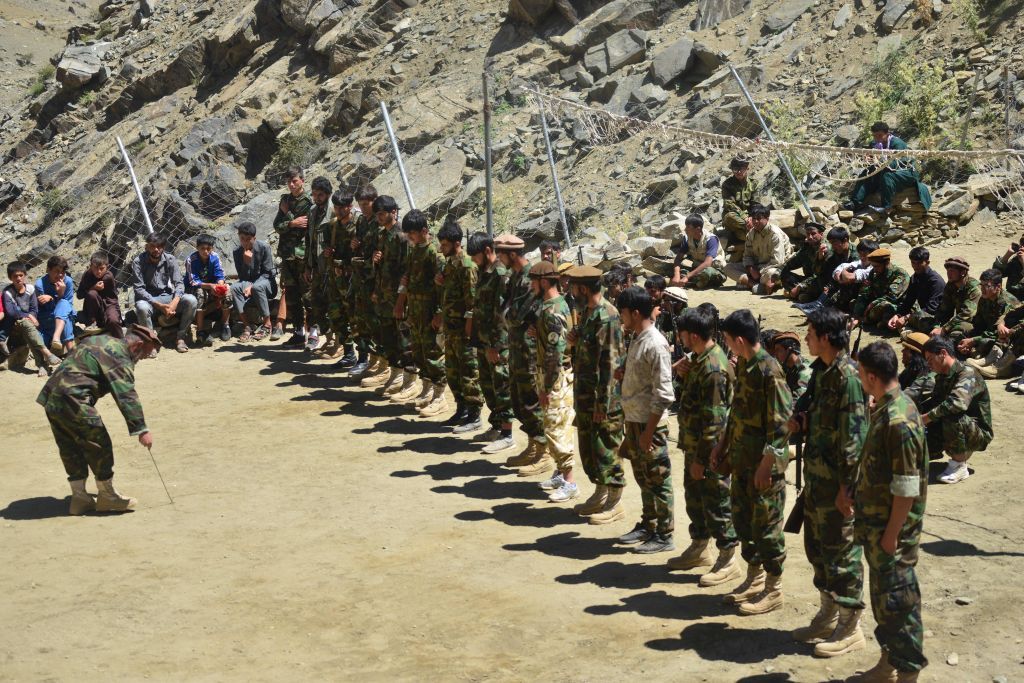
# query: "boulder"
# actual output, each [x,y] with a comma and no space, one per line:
[672,61]
[222,189]
[711,13]
[533,12]
[784,15]
[612,18]
[9,192]
[842,16]
[892,13]
[548,226]
[736,118]
[662,185]
[310,17]
[435,174]
[81,65]
[887,45]
[625,47]
[650,246]
[847,136]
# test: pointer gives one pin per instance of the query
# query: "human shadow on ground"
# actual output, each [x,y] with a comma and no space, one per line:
[353,407]
[434,445]
[947,547]
[279,360]
[491,488]
[627,576]
[446,471]
[662,605]
[535,514]
[715,641]
[402,424]
[570,545]
[43,507]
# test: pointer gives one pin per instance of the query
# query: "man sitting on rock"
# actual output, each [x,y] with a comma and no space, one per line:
[257,280]
[898,175]
[812,260]
[924,295]
[955,315]
[158,285]
[1011,265]
[705,253]
[765,250]
[738,193]
[879,297]
[983,349]
[204,279]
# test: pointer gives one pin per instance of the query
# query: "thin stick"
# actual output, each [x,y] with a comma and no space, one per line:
[159,475]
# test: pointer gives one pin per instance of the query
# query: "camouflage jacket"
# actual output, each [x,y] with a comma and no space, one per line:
[491,287]
[338,237]
[598,353]
[704,403]
[368,234]
[798,376]
[393,247]
[552,340]
[888,286]
[958,305]
[762,405]
[100,365]
[962,391]
[422,263]
[291,242]
[811,264]
[894,463]
[521,308]
[837,421]
[991,312]
[737,197]
[317,235]
[920,390]
[459,289]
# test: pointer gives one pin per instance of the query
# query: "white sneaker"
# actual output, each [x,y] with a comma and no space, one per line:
[955,472]
[566,491]
[553,483]
[502,443]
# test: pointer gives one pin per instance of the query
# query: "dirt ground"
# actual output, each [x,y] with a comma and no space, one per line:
[318,533]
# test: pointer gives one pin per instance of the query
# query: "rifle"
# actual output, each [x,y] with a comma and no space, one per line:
[856,343]
[579,255]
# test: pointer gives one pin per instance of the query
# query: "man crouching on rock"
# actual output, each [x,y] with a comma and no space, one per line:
[98,366]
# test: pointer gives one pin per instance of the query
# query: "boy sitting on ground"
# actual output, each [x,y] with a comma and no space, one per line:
[204,279]
[20,323]
[98,290]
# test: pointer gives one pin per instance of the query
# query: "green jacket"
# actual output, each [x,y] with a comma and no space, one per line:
[458,293]
[291,242]
[958,306]
[597,354]
[704,404]
[962,391]
[991,312]
[423,263]
[521,306]
[882,287]
[393,247]
[837,414]
[552,340]
[491,288]
[761,407]
[737,197]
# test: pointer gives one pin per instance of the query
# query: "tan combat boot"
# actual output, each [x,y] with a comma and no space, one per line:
[612,510]
[823,623]
[594,504]
[524,457]
[406,389]
[375,377]
[768,600]
[438,404]
[109,500]
[1002,368]
[81,500]
[750,587]
[993,356]
[541,464]
[882,672]
[426,393]
[394,380]
[698,554]
[727,568]
[848,636]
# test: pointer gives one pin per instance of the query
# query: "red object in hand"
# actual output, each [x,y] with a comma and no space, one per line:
[220,290]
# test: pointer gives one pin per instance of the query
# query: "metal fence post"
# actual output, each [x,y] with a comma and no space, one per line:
[135,184]
[398,155]
[554,171]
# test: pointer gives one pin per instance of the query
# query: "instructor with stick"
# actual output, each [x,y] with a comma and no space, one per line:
[100,365]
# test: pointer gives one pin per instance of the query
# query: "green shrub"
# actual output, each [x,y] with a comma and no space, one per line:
[55,202]
[300,146]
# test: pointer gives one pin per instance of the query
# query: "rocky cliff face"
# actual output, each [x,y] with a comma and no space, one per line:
[212,98]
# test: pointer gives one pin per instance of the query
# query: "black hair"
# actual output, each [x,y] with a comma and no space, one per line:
[920,254]
[636,299]
[766,334]
[99,259]
[742,324]
[759,211]
[385,203]
[791,345]
[294,172]
[156,239]
[656,282]
[16,267]
[57,261]
[205,240]
[451,231]
[479,241]
[341,198]
[592,286]
[914,367]
[246,228]
[366,193]
[816,227]
[616,276]
[991,275]
[879,127]
[866,246]
[321,184]
[414,221]
[837,234]
[939,343]
[698,322]
[694,221]
[830,323]
[550,244]
[879,359]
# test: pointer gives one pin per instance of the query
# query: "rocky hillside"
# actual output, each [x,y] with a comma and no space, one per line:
[212,99]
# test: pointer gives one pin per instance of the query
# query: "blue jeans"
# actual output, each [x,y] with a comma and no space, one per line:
[186,312]
[47,323]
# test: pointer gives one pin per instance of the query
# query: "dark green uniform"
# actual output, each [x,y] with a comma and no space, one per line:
[703,415]
[894,463]
[598,353]
[338,238]
[737,197]
[521,306]
[881,294]
[291,249]
[897,175]
[837,424]
[457,298]
[816,273]
[321,271]
[761,407]
[98,366]
[960,414]
[956,312]
[492,333]
[798,376]
[364,313]
[989,313]
[424,263]
[920,390]
[393,334]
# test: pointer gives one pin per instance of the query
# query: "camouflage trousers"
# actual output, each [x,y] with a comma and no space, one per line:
[293,284]
[708,506]
[338,314]
[879,311]
[709,278]
[956,434]
[896,600]
[460,365]
[808,290]
[393,341]
[364,315]
[426,354]
[84,444]
[926,322]
[525,403]
[828,543]
[599,447]
[558,420]
[23,332]
[316,301]
[736,226]
[495,385]
[758,516]
[842,298]
[653,473]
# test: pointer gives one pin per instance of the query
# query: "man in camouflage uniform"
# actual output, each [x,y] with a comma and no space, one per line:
[959,415]
[785,348]
[756,445]
[916,380]
[554,380]
[813,260]
[880,296]
[389,264]
[889,508]
[983,349]
[520,311]
[960,297]
[492,334]
[291,225]
[100,365]
[338,258]
[738,195]
[1010,332]
[703,414]
[458,293]
[364,315]
[318,267]
[833,415]
[419,301]
[598,352]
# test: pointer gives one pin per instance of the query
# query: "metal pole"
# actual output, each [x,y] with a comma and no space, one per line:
[768,132]
[1007,95]
[398,155]
[487,158]
[554,171]
[135,183]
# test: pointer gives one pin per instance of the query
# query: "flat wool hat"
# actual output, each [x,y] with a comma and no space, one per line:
[880,255]
[543,269]
[957,262]
[563,267]
[146,333]
[676,294]
[915,340]
[509,242]
[584,273]
[782,336]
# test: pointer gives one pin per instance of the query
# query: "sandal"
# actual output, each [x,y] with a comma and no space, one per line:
[262,332]
[246,335]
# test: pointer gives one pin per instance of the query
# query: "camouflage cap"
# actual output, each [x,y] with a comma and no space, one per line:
[957,262]
[915,340]
[508,242]
[543,269]
[880,255]
[145,334]
[676,294]
[582,273]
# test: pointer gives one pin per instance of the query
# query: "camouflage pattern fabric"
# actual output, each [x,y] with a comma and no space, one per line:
[956,312]
[492,332]
[709,278]
[495,385]
[737,197]
[338,238]
[558,419]
[520,307]
[990,312]
[555,378]
[321,273]
[458,292]
[798,376]
[881,294]
[817,270]
[423,264]
[291,242]
[961,419]
[364,314]
[393,334]
[652,471]
[920,390]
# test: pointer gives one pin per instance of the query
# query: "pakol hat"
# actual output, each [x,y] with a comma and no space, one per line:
[957,262]
[543,269]
[508,242]
[782,336]
[915,340]
[146,333]
[738,163]
[563,267]
[677,294]
[880,255]
[584,273]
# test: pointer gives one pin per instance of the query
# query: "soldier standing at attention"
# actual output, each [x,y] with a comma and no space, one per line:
[338,252]
[833,414]
[703,414]
[318,265]
[554,380]
[291,226]
[889,510]
[598,353]
[737,198]
[492,333]
[389,262]
[757,447]
[364,319]
[100,365]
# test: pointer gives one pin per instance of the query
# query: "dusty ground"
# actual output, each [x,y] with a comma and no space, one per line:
[320,534]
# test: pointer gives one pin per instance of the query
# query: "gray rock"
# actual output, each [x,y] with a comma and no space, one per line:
[672,61]
[179,218]
[662,185]
[861,30]
[82,64]
[892,13]
[783,16]
[147,7]
[625,47]
[310,17]
[54,174]
[438,173]
[841,86]
[848,135]
[9,192]
[889,44]
[609,19]
[222,189]
[842,16]
[711,13]
[650,246]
